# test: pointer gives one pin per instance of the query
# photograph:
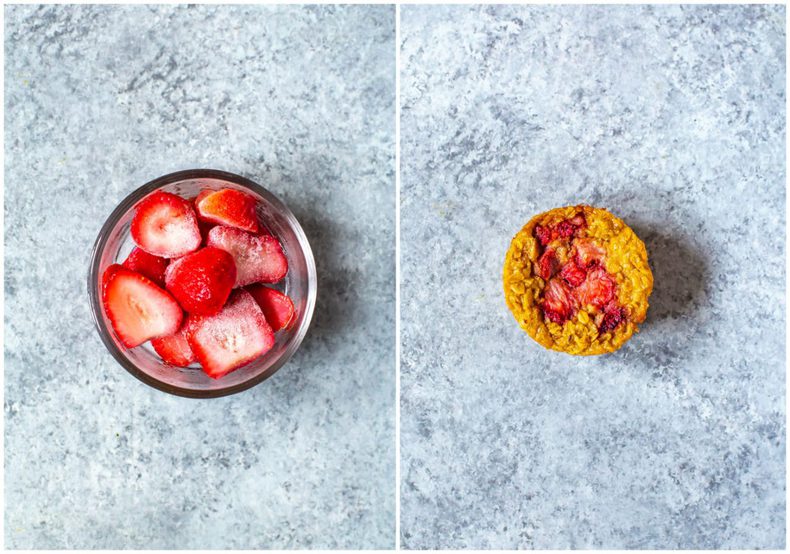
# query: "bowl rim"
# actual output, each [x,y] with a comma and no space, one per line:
[94,293]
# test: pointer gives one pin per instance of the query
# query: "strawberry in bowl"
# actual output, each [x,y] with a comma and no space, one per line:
[177,283]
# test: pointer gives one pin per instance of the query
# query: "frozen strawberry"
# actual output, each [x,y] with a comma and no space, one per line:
[259,258]
[175,349]
[231,338]
[147,264]
[165,225]
[557,301]
[138,309]
[202,281]
[229,207]
[573,274]
[597,289]
[547,264]
[588,253]
[277,307]
[611,318]
[201,195]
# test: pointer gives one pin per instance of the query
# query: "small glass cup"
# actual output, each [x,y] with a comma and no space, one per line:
[114,244]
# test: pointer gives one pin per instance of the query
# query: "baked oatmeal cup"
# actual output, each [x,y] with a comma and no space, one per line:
[577,280]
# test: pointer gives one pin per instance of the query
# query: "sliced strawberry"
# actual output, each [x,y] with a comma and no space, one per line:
[175,349]
[277,307]
[565,229]
[612,317]
[201,195]
[547,264]
[202,281]
[597,289]
[165,225]
[573,274]
[231,338]
[543,234]
[147,264]
[557,301]
[259,258]
[229,207]
[588,253]
[138,309]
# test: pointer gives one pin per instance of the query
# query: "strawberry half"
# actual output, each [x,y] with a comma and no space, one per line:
[175,349]
[557,301]
[547,264]
[597,289]
[277,307]
[147,264]
[228,207]
[231,338]
[165,225]
[138,309]
[202,281]
[259,258]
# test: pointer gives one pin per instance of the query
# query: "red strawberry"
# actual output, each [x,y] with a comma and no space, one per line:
[138,309]
[231,338]
[259,258]
[543,234]
[202,281]
[201,195]
[573,274]
[276,306]
[229,207]
[174,349]
[165,225]
[565,229]
[557,301]
[588,253]
[611,318]
[578,221]
[597,289]
[547,264]
[147,264]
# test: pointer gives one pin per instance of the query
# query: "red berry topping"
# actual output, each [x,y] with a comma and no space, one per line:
[611,318]
[557,301]
[138,309]
[597,289]
[165,225]
[231,338]
[202,281]
[573,274]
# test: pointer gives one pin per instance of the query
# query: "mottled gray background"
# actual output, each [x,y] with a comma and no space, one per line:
[100,100]
[674,118]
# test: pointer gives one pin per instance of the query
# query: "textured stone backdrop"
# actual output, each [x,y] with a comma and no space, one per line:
[100,100]
[674,118]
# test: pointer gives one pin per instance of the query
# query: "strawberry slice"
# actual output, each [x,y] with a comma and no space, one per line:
[174,349]
[588,253]
[229,207]
[165,225]
[573,274]
[202,281]
[231,338]
[547,264]
[612,317]
[147,264]
[138,309]
[597,289]
[557,301]
[543,234]
[259,258]
[277,307]
[201,195]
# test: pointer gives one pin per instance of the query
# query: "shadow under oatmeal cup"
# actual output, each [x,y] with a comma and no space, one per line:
[114,244]
[577,280]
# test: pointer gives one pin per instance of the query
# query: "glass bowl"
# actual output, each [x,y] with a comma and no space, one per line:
[114,244]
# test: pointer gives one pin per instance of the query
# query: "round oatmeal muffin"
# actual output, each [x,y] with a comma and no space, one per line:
[577,280]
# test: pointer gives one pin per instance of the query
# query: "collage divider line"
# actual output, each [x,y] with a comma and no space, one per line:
[397,277]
